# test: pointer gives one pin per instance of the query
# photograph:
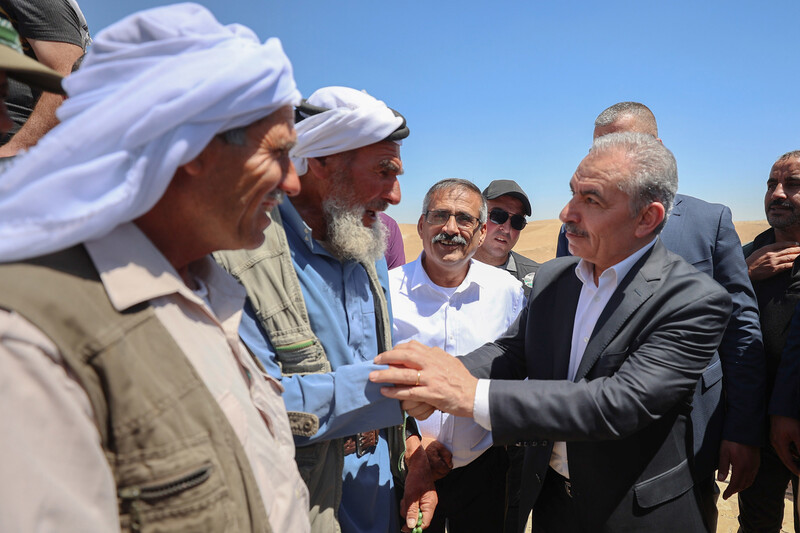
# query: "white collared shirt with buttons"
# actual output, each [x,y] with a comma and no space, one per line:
[457,320]
[591,302]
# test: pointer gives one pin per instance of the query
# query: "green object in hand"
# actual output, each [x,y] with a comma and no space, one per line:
[418,529]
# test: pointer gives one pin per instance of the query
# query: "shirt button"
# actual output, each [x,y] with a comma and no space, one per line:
[586,339]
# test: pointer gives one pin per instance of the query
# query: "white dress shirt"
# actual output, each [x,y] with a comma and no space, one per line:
[591,302]
[457,320]
[50,417]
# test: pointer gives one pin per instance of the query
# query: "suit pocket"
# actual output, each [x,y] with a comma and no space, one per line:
[608,363]
[706,266]
[712,375]
[665,486]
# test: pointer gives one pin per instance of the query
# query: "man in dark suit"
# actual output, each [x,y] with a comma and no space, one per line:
[612,347]
[727,432]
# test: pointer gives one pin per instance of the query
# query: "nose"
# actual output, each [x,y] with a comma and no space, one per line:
[778,191]
[290,184]
[567,214]
[392,193]
[450,227]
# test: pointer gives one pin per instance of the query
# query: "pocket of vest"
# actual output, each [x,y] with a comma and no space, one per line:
[148,503]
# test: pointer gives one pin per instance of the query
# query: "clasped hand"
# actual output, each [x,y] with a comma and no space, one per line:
[426,379]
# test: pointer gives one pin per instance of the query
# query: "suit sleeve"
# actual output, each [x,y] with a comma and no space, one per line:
[741,350]
[785,399]
[658,371]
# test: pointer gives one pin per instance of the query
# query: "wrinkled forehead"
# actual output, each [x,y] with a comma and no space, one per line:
[785,167]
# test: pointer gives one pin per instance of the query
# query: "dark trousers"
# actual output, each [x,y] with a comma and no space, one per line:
[472,498]
[761,504]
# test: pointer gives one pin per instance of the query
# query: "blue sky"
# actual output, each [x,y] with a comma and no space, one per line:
[511,89]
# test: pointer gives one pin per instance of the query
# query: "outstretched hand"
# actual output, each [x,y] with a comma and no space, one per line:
[426,375]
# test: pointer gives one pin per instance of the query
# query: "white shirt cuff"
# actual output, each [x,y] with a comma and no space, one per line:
[480,407]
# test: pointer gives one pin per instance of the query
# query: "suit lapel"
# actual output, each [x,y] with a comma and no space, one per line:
[563,328]
[635,289]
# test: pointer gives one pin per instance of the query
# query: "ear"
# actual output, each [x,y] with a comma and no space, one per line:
[419,225]
[649,219]
[482,236]
[201,161]
[319,166]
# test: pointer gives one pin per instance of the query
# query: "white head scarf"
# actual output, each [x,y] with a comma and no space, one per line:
[152,92]
[354,119]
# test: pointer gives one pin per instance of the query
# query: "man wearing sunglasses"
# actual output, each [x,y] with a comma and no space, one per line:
[508,206]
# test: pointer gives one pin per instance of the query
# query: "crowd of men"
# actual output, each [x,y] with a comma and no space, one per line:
[200,330]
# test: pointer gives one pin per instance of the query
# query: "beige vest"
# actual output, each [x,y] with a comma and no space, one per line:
[275,294]
[177,463]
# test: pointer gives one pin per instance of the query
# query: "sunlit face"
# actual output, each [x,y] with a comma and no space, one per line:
[782,201]
[598,221]
[238,185]
[501,238]
[454,246]
[371,178]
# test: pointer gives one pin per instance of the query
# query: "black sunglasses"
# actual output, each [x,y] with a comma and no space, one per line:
[499,217]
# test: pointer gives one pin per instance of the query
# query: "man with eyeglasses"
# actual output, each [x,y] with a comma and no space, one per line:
[508,206]
[448,300]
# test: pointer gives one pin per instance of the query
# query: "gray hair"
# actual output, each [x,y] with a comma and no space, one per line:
[236,136]
[794,154]
[456,183]
[639,112]
[653,172]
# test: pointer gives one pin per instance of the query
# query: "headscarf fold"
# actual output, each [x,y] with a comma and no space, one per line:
[354,119]
[152,92]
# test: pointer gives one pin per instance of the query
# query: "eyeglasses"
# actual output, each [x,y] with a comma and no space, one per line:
[499,217]
[441,217]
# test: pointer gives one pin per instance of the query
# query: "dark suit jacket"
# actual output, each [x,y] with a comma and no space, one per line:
[626,418]
[704,235]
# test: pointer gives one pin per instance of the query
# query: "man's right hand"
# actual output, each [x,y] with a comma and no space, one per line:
[785,431]
[771,259]
[439,457]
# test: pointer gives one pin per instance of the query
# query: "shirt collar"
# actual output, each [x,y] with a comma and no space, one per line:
[511,264]
[292,221]
[133,271]
[585,270]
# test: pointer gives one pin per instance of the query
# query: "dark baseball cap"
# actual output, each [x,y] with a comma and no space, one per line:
[499,188]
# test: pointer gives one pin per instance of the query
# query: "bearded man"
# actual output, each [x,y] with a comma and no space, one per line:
[317,313]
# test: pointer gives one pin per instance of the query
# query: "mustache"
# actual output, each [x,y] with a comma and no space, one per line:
[378,205]
[781,203]
[451,239]
[572,228]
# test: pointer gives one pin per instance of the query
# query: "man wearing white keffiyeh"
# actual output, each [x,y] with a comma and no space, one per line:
[131,401]
[348,157]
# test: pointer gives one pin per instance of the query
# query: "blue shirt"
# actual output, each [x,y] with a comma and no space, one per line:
[342,315]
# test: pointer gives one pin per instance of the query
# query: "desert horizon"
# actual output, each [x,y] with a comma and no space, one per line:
[538,240]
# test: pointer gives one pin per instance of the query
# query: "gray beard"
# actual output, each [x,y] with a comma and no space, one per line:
[348,238]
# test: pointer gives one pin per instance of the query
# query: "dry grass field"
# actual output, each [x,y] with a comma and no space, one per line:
[538,242]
